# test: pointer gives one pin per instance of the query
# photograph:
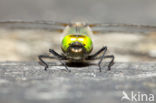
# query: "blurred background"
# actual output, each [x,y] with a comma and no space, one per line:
[25,42]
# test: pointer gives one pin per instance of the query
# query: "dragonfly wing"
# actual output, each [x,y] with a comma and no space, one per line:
[132,28]
[50,25]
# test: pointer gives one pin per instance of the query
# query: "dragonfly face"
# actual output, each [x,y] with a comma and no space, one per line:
[77,44]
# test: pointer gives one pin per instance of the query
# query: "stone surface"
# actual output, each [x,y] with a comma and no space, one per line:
[27,82]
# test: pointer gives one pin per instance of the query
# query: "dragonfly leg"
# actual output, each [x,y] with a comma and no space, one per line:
[60,58]
[56,54]
[43,62]
[111,62]
[94,57]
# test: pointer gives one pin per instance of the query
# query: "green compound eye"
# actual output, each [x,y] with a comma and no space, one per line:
[83,39]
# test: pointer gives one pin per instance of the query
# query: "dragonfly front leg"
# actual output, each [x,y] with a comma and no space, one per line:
[43,62]
[60,58]
[111,62]
[56,56]
[94,57]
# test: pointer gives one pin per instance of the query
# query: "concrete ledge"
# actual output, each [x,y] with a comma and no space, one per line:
[27,82]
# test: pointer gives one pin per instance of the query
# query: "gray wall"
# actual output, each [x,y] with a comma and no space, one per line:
[108,11]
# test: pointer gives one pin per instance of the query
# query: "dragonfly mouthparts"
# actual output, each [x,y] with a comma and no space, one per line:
[76,47]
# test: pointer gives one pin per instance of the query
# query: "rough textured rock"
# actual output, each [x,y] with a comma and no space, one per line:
[23,82]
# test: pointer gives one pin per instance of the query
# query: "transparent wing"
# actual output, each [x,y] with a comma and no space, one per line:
[102,28]
[50,25]
[59,26]
[136,41]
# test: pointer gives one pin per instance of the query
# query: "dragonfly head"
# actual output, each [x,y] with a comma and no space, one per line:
[76,46]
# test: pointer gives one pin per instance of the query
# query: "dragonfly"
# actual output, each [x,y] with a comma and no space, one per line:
[77,44]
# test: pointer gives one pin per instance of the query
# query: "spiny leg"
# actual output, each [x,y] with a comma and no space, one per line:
[56,54]
[111,62]
[60,58]
[94,57]
[43,62]
[104,52]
